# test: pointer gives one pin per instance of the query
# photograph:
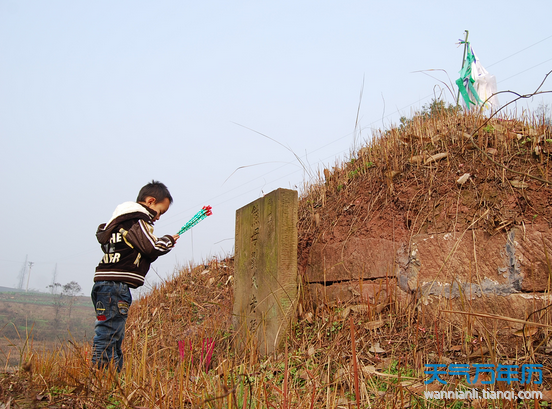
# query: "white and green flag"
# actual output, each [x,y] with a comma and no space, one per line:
[475,84]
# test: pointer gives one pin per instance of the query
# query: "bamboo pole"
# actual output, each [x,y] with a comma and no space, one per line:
[463,60]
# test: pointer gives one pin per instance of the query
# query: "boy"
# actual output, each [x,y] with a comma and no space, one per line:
[129,248]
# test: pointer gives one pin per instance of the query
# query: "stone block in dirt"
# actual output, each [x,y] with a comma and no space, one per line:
[377,292]
[353,259]
[475,263]
[534,254]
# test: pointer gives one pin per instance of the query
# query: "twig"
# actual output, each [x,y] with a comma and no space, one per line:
[355,366]
[281,144]
[499,317]
[537,92]
[435,78]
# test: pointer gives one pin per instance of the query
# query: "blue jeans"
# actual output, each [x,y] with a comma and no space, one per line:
[111,300]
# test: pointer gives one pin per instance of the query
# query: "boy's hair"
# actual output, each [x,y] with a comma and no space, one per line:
[156,190]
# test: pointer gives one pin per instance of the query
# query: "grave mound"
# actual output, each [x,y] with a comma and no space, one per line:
[450,208]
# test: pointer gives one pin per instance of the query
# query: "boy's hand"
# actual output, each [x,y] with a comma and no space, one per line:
[176,237]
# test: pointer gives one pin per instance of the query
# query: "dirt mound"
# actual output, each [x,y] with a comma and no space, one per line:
[441,171]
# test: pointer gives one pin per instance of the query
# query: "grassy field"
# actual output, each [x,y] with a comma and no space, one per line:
[42,321]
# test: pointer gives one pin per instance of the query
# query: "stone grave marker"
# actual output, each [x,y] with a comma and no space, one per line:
[265,286]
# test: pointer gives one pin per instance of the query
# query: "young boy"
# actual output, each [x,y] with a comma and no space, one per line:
[129,248]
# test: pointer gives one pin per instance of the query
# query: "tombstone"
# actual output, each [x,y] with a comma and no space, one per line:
[265,287]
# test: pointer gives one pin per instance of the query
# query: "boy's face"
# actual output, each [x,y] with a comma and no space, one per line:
[159,207]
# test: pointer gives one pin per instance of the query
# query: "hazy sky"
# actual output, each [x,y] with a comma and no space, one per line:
[99,97]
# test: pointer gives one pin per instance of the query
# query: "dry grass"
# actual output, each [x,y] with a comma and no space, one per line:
[363,355]
[416,166]
[318,366]
[334,357]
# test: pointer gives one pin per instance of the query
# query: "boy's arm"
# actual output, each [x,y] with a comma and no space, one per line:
[141,236]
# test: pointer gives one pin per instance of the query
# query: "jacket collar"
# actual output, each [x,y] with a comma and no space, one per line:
[131,207]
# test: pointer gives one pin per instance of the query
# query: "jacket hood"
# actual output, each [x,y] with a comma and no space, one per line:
[125,211]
